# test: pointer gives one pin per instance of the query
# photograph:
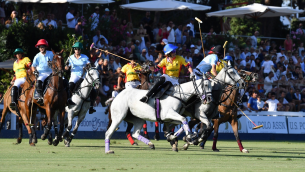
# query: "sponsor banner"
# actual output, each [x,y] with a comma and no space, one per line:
[98,121]
[227,128]
[296,125]
[271,124]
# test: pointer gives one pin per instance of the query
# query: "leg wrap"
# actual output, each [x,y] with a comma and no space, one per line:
[143,139]
[107,145]
[130,139]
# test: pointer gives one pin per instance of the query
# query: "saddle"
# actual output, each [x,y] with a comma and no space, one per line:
[77,84]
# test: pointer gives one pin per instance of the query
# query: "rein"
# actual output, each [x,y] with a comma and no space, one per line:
[92,84]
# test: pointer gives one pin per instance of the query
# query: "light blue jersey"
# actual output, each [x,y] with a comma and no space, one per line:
[77,65]
[206,64]
[41,62]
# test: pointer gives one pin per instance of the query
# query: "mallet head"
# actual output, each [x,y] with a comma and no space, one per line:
[198,20]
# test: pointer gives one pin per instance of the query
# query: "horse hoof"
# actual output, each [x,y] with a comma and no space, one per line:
[135,144]
[245,151]
[184,138]
[55,142]
[67,145]
[19,140]
[201,147]
[157,137]
[66,142]
[185,146]
[32,144]
[60,139]
[43,137]
[215,150]
[110,152]
[151,145]
[174,148]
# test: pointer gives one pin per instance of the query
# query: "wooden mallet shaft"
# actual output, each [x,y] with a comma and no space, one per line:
[224,49]
[199,21]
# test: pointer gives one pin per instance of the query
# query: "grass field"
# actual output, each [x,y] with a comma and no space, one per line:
[88,155]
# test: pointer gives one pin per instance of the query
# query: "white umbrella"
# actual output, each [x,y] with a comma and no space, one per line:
[66,1]
[92,1]
[302,19]
[164,5]
[255,11]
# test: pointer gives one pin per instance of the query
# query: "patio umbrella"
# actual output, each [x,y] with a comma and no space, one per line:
[255,11]
[164,5]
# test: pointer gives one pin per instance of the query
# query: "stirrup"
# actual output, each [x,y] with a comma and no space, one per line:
[144,99]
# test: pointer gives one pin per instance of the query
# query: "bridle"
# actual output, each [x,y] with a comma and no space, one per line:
[90,84]
[55,69]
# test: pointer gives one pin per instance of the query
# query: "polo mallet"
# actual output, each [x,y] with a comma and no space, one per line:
[199,21]
[224,49]
[113,54]
[30,124]
[254,128]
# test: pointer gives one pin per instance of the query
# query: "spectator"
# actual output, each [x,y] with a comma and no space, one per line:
[302,54]
[59,24]
[163,33]
[286,105]
[260,103]
[116,63]
[78,29]
[149,55]
[141,32]
[252,103]
[111,63]
[115,91]
[159,47]
[188,57]
[245,54]
[199,45]
[273,103]
[143,55]
[267,66]
[178,34]
[39,20]
[95,18]
[171,32]
[192,26]
[114,16]
[14,17]
[147,18]
[71,19]
[300,30]
[49,21]
[197,58]
[106,16]
[99,36]
[129,32]
[8,23]
[297,99]
[280,54]
[2,12]
[189,34]
[254,39]
[288,43]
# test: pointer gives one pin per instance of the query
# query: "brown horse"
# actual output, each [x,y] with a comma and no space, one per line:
[21,111]
[54,98]
[229,112]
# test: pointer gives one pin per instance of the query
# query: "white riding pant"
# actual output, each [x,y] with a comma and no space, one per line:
[74,78]
[173,80]
[19,81]
[132,84]
[43,76]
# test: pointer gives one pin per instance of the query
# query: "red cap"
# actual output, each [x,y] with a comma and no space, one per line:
[42,42]
[114,86]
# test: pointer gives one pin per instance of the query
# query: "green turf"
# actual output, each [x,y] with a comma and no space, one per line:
[88,155]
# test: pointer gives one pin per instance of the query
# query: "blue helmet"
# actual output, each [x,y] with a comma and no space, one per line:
[228,58]
[169,48]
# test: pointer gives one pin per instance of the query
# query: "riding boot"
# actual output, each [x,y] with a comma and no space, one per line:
[70,92]
[39,92]
[93,96]
[155,87]
[207,90]
[14,95]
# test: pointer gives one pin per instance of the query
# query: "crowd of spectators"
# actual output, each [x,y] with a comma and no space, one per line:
[281,68]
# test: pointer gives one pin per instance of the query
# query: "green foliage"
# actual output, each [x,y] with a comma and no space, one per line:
[5,80]
[67,44]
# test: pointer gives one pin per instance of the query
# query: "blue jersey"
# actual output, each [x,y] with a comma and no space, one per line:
[206,64]
[77,65]
[253,103]
[41,62]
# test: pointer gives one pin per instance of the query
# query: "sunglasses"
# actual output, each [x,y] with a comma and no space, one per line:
[42,47]
[77,49]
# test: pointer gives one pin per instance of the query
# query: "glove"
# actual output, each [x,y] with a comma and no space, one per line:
[36,73]
[67,63]
[192,75]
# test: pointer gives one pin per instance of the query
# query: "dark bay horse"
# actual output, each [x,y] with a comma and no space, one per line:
[21,111]
[54,98]
[229,112]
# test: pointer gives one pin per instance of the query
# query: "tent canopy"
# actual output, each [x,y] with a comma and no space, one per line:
[66,1]
[255,11]
[164,5]
[8,64]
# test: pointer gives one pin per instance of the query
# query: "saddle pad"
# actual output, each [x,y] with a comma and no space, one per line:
[158,110]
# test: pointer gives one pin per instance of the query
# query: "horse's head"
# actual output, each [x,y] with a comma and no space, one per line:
[248,76]
[146,66]
[57,64]
[92,76]
[230,76]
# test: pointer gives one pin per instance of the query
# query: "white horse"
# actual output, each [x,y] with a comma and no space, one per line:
[171,106]
[82,101]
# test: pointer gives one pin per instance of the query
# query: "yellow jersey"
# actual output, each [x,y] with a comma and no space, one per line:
[130,72]
[173,69]
[20,67]
[220,65]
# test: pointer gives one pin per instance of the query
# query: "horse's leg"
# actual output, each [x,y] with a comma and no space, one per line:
[33,127]
[109,117]
[234,124]
[69,127]
[138,123]
[157,136]
[81,117]
[26,116]
[4,112]
[129,137]
[62,123]
[172,138]
[173,115]
[19,140]
[145,130]
[49,113]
